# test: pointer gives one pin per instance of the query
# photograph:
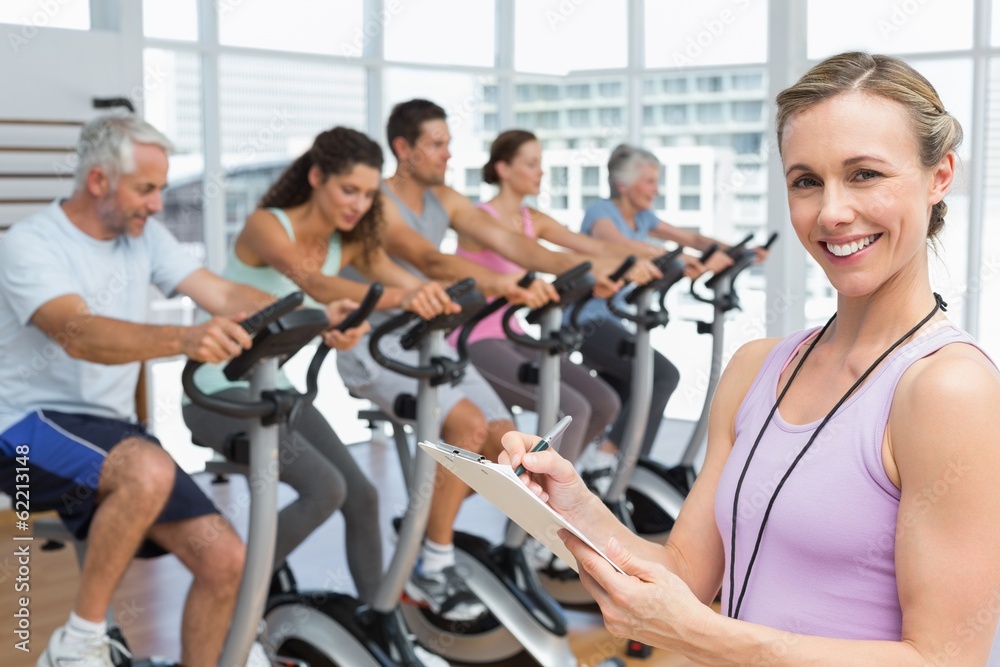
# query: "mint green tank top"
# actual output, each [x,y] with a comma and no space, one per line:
[210,377]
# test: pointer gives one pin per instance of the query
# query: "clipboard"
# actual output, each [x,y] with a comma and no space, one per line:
[498,484]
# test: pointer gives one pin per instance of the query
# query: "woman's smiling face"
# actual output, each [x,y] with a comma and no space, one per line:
[858,194]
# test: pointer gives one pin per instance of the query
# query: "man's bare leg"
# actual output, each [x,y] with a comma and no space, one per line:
[465,427]
[213,552]
[135,483]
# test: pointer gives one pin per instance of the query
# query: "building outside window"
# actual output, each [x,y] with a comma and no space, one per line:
[691,175]
[675,114]
[609,89]
[675,86]
[690,202]
[709,84]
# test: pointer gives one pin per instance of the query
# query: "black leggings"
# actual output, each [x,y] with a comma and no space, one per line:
[592,404]
[601,351]
[315,463]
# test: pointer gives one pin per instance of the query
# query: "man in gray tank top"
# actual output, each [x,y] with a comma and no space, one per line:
[418,210]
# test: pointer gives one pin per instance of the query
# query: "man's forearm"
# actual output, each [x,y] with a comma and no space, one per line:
[452,268]
[243,299]
[103,340]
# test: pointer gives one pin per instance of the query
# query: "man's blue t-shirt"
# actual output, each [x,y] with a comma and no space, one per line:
[645,222]
[46,256]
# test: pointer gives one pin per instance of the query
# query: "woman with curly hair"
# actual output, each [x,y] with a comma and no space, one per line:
[319,217]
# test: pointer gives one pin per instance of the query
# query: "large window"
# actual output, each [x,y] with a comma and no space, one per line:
[556,38]
[304,26]
[170,19]
[703,108]
[172,102]
[987,282]
[35,14]
[274,108]
[425,31]
[710,32]
[888,26]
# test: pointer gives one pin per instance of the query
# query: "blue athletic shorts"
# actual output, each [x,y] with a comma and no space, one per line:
[65,455]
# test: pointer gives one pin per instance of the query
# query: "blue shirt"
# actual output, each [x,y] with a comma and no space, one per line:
[46,256]
[645,222]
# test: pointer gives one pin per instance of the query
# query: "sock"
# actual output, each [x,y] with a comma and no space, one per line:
[84,628]
[435,557]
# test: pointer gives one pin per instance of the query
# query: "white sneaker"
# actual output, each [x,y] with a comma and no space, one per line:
[598,481]
[445,593]
[69,649]
[593,458]
[429,659]
[541,559]
[598,469]
[258,657]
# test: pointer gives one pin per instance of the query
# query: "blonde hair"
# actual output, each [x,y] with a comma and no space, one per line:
[936,131]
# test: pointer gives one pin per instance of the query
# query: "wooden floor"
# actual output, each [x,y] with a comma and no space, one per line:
[148,603]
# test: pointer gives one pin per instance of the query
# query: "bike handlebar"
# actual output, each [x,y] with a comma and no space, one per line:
[570,286]
[278,330]
[442,368]
[355,318]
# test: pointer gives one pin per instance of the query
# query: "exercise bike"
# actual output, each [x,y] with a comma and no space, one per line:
[326,628]
[564,584]
[558,336]
[277,332]
[655,492]
[283,331]
[521,618]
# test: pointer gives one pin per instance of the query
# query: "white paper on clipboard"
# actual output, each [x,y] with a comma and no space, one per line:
[498,484]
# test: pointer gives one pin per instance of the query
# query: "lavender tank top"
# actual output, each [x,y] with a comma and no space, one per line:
[826,564]
[492,326]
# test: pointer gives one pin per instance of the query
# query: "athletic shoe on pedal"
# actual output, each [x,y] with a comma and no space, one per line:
[543,560]
[70,649]
[445,594]
[282,582]
[598,481]
[258,657]
[429,659]
[597,469]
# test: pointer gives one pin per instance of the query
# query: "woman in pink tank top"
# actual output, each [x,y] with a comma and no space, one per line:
[847,507]
[515,166]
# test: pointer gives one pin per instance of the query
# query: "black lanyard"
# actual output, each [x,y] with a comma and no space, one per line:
[938,303]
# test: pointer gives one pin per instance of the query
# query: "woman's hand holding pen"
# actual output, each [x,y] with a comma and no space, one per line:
[551,477]
[651,604]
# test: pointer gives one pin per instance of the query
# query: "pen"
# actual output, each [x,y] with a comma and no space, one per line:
[554,434]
